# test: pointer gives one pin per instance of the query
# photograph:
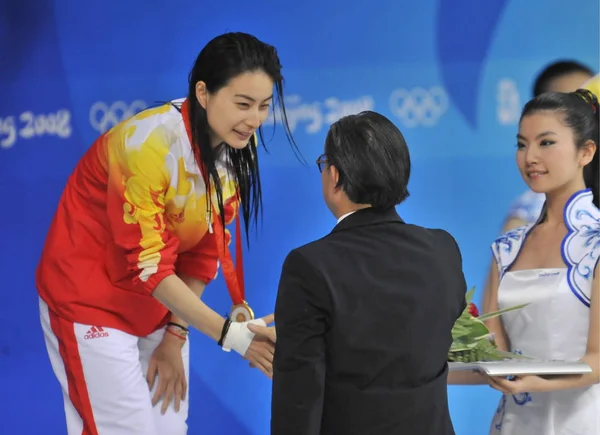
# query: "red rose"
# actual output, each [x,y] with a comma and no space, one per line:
[472,309]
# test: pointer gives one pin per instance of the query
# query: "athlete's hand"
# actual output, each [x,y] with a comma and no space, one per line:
[167,363]
[262,348]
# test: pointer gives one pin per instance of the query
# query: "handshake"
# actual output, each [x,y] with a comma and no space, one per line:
[255,341]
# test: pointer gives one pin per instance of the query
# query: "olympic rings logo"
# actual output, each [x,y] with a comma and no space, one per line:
[419,106]
[104,117]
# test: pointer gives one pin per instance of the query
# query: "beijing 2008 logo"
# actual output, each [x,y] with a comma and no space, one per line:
[418,106]
[104,116]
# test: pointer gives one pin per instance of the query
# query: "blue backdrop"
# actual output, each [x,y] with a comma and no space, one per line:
[453,75]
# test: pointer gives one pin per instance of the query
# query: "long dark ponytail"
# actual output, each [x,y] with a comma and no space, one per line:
[222,59]
[591,172]
[581,111]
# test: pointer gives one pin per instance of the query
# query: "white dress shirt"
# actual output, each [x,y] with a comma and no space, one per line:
[344,216]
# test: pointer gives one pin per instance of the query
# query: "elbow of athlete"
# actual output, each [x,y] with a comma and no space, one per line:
[149,267]
[148,276]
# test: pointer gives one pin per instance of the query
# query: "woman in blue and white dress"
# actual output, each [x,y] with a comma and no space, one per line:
[553,266]
[556,77]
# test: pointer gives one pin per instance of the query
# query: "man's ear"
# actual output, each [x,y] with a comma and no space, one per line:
[335,175]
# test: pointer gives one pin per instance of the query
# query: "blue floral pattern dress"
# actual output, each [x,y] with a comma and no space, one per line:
[554,325]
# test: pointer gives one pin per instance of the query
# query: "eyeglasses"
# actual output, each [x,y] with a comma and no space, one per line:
[321,161]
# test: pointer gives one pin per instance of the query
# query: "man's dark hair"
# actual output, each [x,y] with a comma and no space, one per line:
[555,70]
[372,158]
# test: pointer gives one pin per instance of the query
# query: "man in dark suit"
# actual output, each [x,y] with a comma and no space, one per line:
[364,315]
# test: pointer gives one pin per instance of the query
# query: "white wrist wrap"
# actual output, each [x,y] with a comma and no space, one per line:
[239,336]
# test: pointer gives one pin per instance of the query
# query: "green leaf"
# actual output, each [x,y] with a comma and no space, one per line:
[469,295]
[500,312]
[471,339]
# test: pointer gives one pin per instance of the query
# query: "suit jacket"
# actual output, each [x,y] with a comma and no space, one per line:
[364,319]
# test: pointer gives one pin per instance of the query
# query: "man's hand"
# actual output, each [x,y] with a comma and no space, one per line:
[266,332]
[167,363]
[262,348]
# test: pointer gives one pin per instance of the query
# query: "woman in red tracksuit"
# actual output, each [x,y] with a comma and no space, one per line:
[140,231]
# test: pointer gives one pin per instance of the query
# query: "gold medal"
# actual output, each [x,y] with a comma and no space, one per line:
[241,313]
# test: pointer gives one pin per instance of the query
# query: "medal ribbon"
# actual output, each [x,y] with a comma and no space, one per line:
[234,276]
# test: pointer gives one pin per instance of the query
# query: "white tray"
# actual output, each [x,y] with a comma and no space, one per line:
[524,367]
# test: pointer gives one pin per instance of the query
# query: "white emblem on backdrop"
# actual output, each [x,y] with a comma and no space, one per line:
[104,116]
[316,114]
[419,106]
[29,125]
[508,99]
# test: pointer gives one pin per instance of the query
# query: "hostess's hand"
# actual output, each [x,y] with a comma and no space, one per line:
[518,384]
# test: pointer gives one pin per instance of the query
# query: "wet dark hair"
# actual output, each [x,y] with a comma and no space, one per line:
[222,59]
[555,70]
[372,158]
[580,112]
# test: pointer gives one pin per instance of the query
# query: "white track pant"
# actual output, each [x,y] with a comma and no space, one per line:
[102,372]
